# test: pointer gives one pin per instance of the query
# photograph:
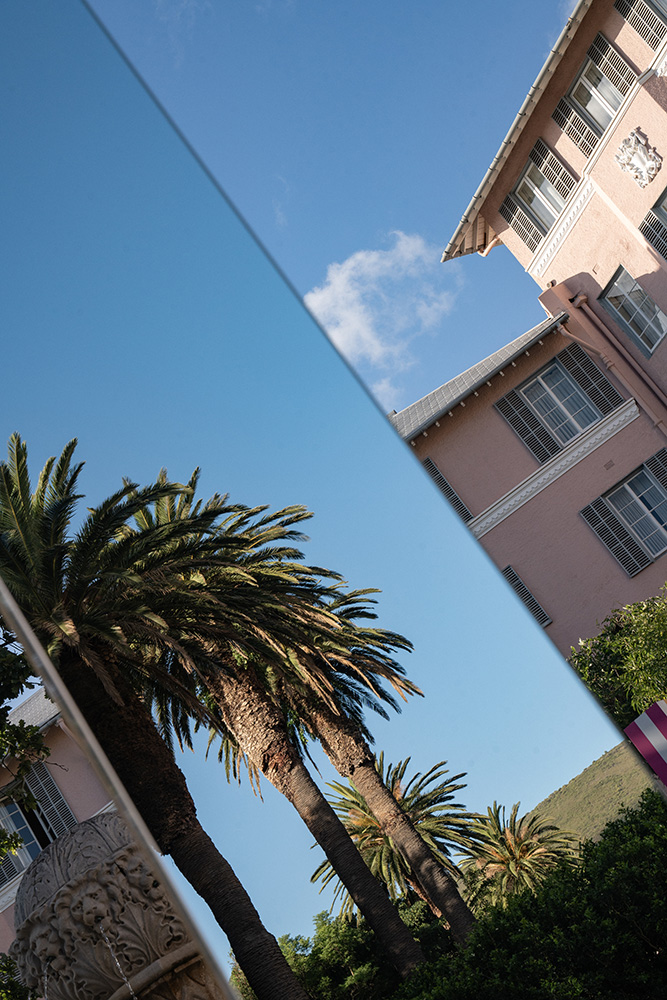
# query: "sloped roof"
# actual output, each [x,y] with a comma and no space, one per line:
[418,416]
[473,233]
[36,710]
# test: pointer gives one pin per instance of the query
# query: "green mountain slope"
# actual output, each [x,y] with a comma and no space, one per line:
[595,796]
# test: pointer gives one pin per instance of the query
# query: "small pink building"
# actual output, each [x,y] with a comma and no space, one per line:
[554,449]
[65,788]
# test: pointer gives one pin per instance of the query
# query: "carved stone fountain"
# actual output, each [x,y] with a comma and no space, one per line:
[93,923]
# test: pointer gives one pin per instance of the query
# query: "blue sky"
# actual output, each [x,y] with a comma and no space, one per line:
[141,316]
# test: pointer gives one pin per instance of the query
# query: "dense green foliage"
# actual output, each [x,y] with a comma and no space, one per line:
[20,745]
[511,856]
[593,798]
[625,666]
[594,932]
[427,800]
[10,986]
[591,932]
[343,962]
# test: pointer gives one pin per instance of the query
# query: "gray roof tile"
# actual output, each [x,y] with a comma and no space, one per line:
[36,710]
[418,416]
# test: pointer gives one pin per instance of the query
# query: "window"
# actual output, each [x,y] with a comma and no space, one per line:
[37,827]
[635,311]
[595,96]
[641,503]
[539,196]
[654,226]
[559,402]
[631,519]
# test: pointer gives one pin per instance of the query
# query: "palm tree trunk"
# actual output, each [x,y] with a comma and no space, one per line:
[351,756]
[261,732]
[146,767]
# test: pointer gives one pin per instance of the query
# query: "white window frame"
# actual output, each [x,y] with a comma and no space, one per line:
[654,522]
[559,405]
[550,199]
[582,79]
[645,314]
[51,815]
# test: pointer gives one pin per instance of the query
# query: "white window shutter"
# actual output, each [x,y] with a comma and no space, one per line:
[51,805]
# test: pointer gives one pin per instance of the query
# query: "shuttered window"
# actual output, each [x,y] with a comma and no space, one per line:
[574,126]
[654,226]
[595,96]
[522,225]
[533,605]
[631,519]
[559,402]
[654,231]
[37,827]
[539,195]
[451,494]
[612,64]
[644,19]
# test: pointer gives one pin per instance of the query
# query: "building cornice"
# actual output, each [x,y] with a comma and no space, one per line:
[556,467]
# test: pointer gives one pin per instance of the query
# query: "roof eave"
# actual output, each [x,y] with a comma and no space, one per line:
[557,321]
[517,126]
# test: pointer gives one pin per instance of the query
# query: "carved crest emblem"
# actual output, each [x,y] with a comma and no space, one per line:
[639,158]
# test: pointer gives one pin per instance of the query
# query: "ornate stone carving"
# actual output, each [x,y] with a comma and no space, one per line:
[639,158]
[91,915]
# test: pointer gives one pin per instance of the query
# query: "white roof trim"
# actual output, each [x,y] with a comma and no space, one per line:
[472,211]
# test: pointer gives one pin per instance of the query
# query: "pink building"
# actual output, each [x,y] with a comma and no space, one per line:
[554,449]
[65,788]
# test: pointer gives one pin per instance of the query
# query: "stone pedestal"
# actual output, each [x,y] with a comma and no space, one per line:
[93,923]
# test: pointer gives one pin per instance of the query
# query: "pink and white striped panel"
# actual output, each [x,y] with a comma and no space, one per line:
[649,735]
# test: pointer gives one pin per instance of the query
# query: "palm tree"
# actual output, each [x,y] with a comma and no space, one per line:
[360,673]
[512,856]
[242,692]
[326,677]
[427,800]
[109,606]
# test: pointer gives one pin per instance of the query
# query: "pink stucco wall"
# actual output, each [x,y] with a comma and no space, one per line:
[556,554]
[79,785]
[607,227]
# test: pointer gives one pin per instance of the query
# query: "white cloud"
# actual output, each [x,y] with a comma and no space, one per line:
[374,304]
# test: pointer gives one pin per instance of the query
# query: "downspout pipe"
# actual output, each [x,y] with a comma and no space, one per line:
[589,319]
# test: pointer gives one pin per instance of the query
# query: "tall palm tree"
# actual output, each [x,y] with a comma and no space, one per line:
[361,674]
[109,606]
[512,855]
[327,676]
[242,690]
[427,800]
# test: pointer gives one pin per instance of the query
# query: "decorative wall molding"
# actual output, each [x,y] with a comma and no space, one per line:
[556,467]
[579,199]
[638,158]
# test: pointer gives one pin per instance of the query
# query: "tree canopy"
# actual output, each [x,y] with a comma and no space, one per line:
[625,665]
